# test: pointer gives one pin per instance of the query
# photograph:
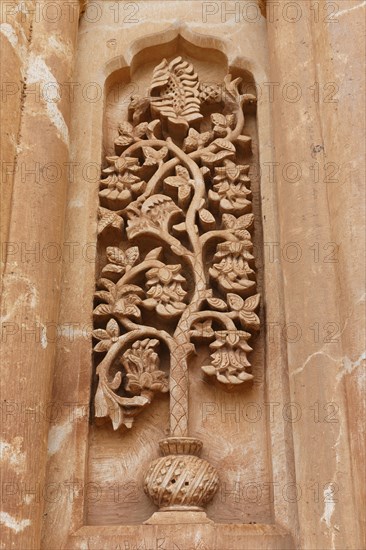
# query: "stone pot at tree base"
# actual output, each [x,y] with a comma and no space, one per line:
[180,483]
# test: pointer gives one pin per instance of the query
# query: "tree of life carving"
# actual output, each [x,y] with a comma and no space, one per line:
[176,195]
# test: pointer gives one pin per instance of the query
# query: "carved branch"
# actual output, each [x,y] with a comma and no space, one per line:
[225,319]
[131,274]
[217,234]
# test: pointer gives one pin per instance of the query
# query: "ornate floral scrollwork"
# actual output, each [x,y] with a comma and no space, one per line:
[229,357]
[233,270]
[175,95]
[174,186]
[141,363]
[165,290]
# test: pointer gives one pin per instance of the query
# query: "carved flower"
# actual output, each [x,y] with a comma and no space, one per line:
[233,269]
[165,291]
[230,357]
[222,124]
[129,134]
[122,182]
[118,301]
[154,157]
[107,337]
[156,212]
[179,186]
[141,363]
[239,227]
[245,309]
[120,261]
[195,140]
[120,164]
[232,173]
[230,189]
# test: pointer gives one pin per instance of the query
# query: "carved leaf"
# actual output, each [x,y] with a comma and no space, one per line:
[107,218]
[124,140]
[235,301]
[231,222]
[121,164]
[111,269]
[217,303]
[249,319]
[103,309]
[231,88]
[224,144]
[154,254]
[207,221]
[119,257]
[180,227]
[112,328]
[106,283]
[127,289]
[100,334]
[125,308]
[222,123]
[121,410]
[126,134]
[104,295]
[252,302]
[210,159]
[120,261]
[218,118]
[154,129]
[102,346]
[121,301]
[132,255]
[116,382]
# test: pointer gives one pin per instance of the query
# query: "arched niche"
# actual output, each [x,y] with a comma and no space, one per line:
[240,434]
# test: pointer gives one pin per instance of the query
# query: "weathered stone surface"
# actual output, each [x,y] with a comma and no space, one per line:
[196,222]
[31,282]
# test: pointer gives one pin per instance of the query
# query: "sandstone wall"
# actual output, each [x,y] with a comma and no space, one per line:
[306,61]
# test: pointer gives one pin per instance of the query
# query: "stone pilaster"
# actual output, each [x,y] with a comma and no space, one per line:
[33,266]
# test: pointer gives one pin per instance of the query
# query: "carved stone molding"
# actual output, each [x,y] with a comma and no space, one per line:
[178,203]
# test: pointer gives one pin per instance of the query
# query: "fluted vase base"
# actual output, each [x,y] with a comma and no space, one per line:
[180,482]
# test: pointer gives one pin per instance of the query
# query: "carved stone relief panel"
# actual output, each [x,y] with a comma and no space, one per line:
[179,356]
